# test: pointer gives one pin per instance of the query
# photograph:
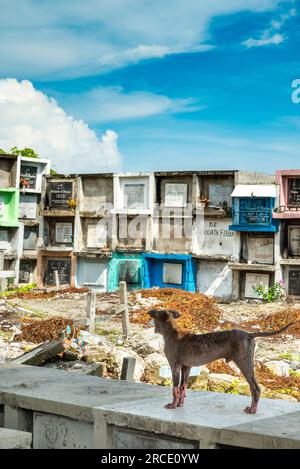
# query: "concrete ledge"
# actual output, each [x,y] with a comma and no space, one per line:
[13,439]
[290,261]
[252,267]
[207,420]
[66,410]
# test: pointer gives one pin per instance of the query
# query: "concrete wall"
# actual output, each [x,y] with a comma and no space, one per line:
[59,231]
[215,239]
[28,207]
[42,265]
[172,234]
[92,273]
[96,193]
[132,232]
[9,238]
[244,177]
[8,172]
[27,271]
[123,180]
[214,278]
[94,234]
[163,186]
[37,167]
[217,189]
[258,248]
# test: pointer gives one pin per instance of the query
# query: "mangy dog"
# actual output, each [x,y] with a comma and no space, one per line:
[184,350]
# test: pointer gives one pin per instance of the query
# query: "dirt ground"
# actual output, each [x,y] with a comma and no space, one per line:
[73,306]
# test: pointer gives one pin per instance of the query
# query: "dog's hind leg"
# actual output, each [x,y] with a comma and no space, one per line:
[245,362]
[185,373]
[176,388]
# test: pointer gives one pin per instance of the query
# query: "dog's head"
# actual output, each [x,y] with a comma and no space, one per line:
[161,316]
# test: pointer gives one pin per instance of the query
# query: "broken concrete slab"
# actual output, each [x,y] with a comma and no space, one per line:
[41,353]
[14,439]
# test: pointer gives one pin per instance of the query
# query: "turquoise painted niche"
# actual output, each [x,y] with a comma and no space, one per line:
[9,207]
[127,267]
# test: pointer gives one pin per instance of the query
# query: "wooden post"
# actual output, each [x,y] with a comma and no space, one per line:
[128,367]
[124,306]
[56,277]
[91,310]
[3,281]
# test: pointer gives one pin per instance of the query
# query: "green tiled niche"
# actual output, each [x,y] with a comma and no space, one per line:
[9,207]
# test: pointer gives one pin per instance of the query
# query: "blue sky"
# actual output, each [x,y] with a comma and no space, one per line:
[186,85]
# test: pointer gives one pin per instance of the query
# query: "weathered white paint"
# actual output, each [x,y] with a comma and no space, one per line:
[294,240]
[172,273]
[220,194]
[4,240]
[92,273]
[42,166]
[175,194]
[63,232]
[260,250]
[214,279]
[28,206]
[96,236]
[251,190]
[214,238]
[120,197]
[7,273]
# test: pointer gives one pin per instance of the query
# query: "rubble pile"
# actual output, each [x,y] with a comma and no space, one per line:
[277,321]
[289,385]
[199,313]
[220,366]
[42,331]
[42,294]
[63,345]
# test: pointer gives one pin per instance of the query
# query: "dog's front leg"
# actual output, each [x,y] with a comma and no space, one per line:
[176,389]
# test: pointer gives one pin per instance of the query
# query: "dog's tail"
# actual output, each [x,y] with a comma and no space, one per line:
[267,334]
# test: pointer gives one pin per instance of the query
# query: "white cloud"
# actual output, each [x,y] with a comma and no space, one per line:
[65,38]
[264,41]
[107,104]
[271,36]
[28,118]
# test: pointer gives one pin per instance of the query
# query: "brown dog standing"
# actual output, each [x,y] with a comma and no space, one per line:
[184,350]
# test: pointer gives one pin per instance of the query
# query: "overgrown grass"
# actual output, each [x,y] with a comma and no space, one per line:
[13,291]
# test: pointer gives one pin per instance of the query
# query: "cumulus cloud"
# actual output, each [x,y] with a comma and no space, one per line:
[272,36]
[65,38]
[29,118]
[107,104]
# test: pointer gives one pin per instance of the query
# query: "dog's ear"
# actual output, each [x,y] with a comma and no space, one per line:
[153,313]
[160,314]
[175,314]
